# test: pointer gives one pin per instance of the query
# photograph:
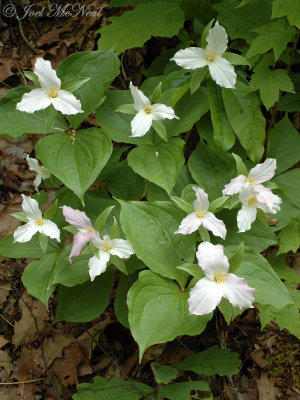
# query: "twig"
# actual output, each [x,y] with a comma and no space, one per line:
[24,37]
[2,316]
[22,383]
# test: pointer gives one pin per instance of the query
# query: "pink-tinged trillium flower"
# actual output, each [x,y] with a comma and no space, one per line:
[36,223]
[217,283]
[147,112]
[41,172]
[260,173]
[49,93]
[220,69]
[202,217]
[107,247]
[83,224]
[252,198]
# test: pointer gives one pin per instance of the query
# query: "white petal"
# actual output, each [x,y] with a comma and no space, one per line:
[211,259]
[245,217]
[234,186]
[267,201]
[97,265]
[33,164]
[263,172]
[222,72]
[141,124]
[205,296]
[237,291]
[201,203]
[140,100]
[31,208]
[47,76]
[66,103]
[50,229]
[33,101]
[37,181]
[76,218]
[161,111]
[121,248]
[189,224]
[25,232]
[217,39]
[246,193]
[211,223]
[45,173]
[191,58]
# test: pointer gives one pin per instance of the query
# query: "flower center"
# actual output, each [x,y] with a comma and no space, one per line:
[220,277]
[41,171]
[148,110]
[89,229]
[53,92]
[250,180]
[39,222]
[210,56]
[200,214]
[252,201]
[107,246]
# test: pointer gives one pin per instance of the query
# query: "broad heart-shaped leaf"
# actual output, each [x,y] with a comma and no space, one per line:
[15,123]
[101,67]
[182,390]
[158,311]
[120,305]
[135,27]
[165,373]
[211,169]
[150,228]
[76,165]
[289,237]
[290,8]
[288,182]
[246,119]
[82,303]
[284,147]
[20,250]
[212,361]
[160,163]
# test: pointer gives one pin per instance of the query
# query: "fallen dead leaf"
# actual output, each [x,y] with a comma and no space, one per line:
[6,363]
[5,287]
[53,35]
[3,341]
[53,348]
[27,368]
[266,388]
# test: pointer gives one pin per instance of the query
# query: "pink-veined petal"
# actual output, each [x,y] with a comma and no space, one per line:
[246,216]
[201,203]
[33,101]
[237,291]
[217,39]
[121,248]
[222,72]
[97,265]
[263,172]
[50,229]
[213,224]
[79,241]
[67,103]
[205,296]
[76,218]
[191,58]
[161,111]
[140,100]
[31,208]
[25,232]
[234,186]
[141,124]
[46,74]
[189,224]
[211,259]
[267,201]
[33,164]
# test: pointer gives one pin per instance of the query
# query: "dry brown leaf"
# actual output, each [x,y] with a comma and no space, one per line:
[24,391]
[266,388]
[5,287]
[5,362]
[3,341]
[53,35]
[6,65]
[27,368]
[259,357]
[53,348]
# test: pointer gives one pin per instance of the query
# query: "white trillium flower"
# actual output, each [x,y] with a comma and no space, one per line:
[147,112]
[41,172]
[36,223]
[260,173]
[107,247]
[252,199]
[49,93]
[220,69]
[217,283]
[202,217]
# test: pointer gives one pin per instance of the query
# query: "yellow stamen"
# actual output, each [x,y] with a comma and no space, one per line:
[39,222]
[210,56]
[200,214]
[252,201]
[250,180]
[89,229]
[41,171]
[107,246]
[148,110]
[220,277]
[53,92]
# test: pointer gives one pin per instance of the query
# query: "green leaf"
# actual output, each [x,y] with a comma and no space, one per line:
[160,163]
[157,246]
[33,77]
[289,8]
[288,182]
[100,222]
[240,166]
[49,213]
[205,33]
[211,169]
[156,93]
[160,129]
[135,27]
[192,269]
[158,311]
[223,134]
[20,250]
[92,149]
[284,145]
[84,302]
[212,361]
[126,109]
[101,67]
[289,237]
[217,203]
[274,35]
[197,78]
[74,84]
[43,242]
[184,205]
[120,304]
[165,373]
[20,216]
[236,259]
[235,59]
[246,119]
[278,263]
[182,390]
